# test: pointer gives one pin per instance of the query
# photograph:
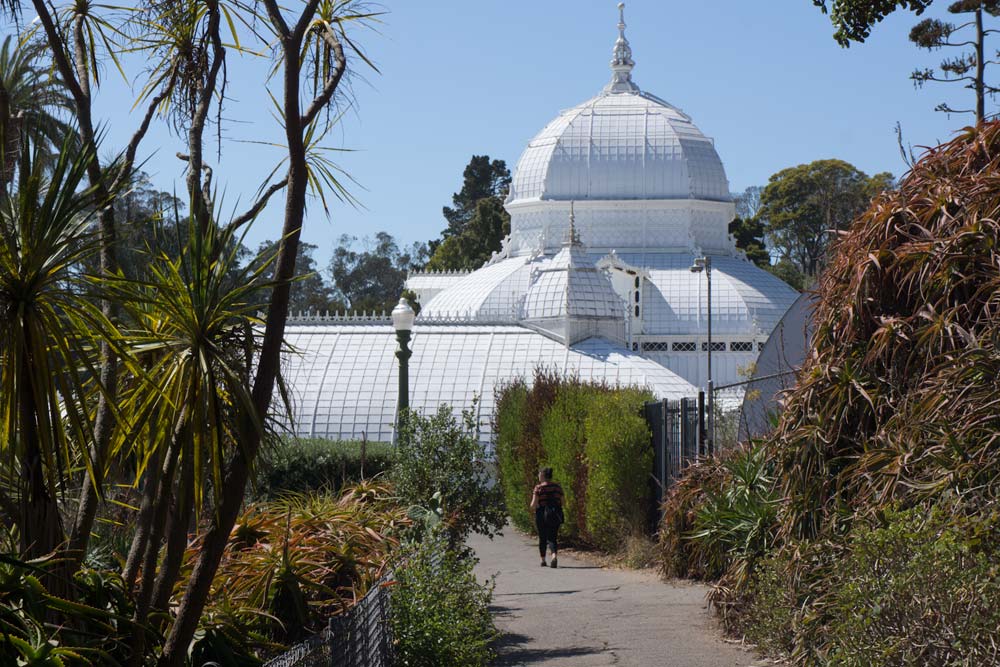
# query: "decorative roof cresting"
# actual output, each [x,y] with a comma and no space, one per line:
[621,60]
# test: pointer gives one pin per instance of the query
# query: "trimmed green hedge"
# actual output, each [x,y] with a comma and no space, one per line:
[312,464]
[596,441]
[619,457]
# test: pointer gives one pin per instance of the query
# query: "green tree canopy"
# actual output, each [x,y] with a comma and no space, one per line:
[372,278]
[310,293]
[801,205]
[854,19]
[747,229]
[483,178]
[477,221]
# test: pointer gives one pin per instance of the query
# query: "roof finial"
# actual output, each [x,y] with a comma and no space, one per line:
[621,61]
[574,237]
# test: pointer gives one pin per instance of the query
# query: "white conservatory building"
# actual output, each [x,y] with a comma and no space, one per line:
[610,205]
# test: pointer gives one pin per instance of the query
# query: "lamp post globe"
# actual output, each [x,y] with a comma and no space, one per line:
[403,317]
[704,263]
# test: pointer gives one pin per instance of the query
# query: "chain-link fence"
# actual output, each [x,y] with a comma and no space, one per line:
[359,638]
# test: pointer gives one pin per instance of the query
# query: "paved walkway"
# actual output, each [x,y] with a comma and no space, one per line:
[581,615]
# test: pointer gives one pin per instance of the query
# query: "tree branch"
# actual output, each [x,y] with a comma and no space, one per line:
[258,206]
[140,133]
[305,19]
[332,81]
[277,20]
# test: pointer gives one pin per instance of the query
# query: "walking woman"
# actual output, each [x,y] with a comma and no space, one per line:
[546,500]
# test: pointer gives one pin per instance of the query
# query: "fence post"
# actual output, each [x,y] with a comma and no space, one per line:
[701,424]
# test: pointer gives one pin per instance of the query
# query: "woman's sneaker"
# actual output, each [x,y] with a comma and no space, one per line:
[555,562]
[543,563]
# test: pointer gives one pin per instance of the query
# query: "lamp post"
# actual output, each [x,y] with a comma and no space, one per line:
[402,321]
[704,263]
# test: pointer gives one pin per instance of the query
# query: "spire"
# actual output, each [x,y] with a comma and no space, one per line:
[621,60]
[574,237]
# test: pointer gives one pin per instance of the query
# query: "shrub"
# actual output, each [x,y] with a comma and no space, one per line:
[508,433]
[736,523]
[920,590]
[292,563]
[439,455]
[300,465]
[440,613]
[619,460]
[563,437]
[679,555]
[518,425]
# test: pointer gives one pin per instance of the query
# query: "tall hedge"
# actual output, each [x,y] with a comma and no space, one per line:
[508,433]
[597,443]
[619,457]
[563,439]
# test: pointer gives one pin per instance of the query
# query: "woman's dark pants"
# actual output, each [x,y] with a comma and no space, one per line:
[547,536]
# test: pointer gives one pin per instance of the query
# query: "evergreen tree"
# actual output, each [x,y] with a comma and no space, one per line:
[477,221]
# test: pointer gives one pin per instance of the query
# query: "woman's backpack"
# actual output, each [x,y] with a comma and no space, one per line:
[553,515]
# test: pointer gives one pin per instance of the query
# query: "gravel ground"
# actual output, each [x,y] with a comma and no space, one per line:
[581,615]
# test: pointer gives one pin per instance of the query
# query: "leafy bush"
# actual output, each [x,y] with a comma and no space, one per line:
[681,556]
[619,460]
[736,524]
[440,613]
[920,590]
[300,465]
[598,445]
[292,563]
[508,433]
[438,456]
[563,437]
[518,428]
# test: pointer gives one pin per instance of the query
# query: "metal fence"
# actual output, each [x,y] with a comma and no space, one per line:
[359,638]
[676,428]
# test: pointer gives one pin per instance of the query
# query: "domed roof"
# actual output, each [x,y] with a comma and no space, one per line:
[622,144]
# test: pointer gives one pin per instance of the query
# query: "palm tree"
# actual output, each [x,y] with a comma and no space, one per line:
[49,328]
[32,99]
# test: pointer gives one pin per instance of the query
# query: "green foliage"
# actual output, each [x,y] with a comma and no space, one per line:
[800,205]
[509,440]
[749,236]
[619,456]
[300,465]
[563,437]
[786,270]
[101,613]
[50,326]
[596,442]
[477,222]
[371,278]
[921,589]
[854,19]
[440,613]
[736,522]
[440,456]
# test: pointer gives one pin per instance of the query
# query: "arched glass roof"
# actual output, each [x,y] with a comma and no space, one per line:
[343,377]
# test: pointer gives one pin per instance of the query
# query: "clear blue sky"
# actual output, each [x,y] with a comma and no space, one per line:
[459,77]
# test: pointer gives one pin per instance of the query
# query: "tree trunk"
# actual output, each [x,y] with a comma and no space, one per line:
[217,537]
[144,520]
[177,538]
[152,551]
[980,68]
